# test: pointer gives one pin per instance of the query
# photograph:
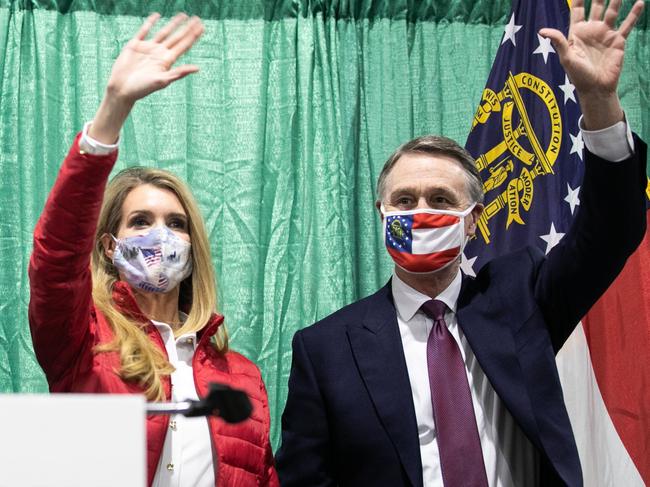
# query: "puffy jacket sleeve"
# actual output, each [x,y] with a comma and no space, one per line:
[59,269]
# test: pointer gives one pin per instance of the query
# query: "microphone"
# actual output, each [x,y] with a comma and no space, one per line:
[231,405]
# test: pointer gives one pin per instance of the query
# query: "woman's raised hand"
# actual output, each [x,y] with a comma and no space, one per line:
[144,66]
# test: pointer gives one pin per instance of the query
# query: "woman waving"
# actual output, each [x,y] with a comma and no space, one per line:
[123,293]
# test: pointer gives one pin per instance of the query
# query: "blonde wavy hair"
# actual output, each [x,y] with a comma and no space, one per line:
[141,360]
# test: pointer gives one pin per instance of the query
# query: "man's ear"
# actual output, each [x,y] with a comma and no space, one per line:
[109,245]
[378,206]
[473,218]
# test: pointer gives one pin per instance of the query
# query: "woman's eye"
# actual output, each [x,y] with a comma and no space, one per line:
[177,224]
[139,222]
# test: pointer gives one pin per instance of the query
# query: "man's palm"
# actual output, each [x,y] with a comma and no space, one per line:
[592,55]
[595,56]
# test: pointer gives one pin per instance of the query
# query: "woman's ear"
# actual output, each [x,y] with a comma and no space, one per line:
[109,245]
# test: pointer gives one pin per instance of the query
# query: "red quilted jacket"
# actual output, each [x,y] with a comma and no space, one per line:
[66,326]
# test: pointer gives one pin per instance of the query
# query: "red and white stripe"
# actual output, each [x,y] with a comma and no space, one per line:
[604,368]
[438,237]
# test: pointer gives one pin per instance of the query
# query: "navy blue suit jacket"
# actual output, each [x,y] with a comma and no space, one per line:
[349,417]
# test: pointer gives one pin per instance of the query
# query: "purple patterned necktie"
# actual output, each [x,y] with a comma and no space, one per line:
[461,458]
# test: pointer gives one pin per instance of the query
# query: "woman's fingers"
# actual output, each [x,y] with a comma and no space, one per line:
[171,26]
[146,26]
[180,42]
[180,72]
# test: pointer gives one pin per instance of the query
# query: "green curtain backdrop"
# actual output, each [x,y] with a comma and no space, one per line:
[281,137]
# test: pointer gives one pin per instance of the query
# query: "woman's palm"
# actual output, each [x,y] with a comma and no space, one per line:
[145,66]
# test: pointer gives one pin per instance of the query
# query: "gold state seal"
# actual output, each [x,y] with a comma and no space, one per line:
[520,147]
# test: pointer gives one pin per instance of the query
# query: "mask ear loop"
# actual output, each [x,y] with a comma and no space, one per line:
[116,243]
[468,210]
[466,239]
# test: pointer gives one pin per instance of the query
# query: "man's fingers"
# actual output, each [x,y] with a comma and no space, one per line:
[577,11]
[612,13]
[171,26]
[146,26]
[631,19]
[596,11]
[558,40]
[188,39]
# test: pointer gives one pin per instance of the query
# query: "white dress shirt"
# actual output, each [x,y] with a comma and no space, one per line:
[187,458]
[510,458]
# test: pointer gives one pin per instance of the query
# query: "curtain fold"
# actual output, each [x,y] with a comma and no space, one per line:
[281,136]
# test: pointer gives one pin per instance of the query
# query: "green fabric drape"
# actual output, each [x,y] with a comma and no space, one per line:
[281,136]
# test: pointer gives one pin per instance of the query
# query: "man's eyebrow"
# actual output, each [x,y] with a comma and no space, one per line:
[444,190]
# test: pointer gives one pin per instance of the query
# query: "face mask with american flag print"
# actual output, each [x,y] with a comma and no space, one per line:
[155,262]
[423,241]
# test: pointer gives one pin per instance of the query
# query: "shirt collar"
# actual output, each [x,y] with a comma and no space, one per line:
[167,333]
[126,304]
[408,300]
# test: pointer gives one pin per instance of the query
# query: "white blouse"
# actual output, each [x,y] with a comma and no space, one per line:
[187,459]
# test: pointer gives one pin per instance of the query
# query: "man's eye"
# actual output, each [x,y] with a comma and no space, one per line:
[404,201]
[441,200]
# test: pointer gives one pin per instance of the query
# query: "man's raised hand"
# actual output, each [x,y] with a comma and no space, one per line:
[592,56]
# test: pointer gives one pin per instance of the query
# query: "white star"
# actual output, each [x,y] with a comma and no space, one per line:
[572,197]
[467,265]
[552,238]
[569,90]
[544,47]
[510,31]
[577,144]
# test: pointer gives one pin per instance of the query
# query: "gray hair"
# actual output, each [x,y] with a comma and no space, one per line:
[436,145]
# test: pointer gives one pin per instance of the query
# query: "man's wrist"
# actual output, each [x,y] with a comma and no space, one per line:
[600,110]
[614,143]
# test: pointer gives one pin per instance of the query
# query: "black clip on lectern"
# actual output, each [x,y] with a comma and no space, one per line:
[232,405]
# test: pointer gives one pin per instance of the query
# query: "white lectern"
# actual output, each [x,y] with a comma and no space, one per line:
[72,440]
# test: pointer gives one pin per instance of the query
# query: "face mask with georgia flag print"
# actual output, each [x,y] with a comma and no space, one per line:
[423,241]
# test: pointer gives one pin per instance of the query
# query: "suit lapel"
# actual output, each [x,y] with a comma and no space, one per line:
[489,334]
[377,348]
